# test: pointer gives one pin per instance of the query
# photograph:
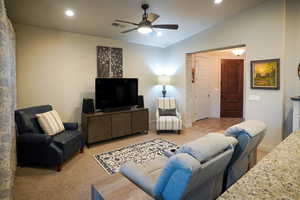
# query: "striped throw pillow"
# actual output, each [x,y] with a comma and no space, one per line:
[50,122]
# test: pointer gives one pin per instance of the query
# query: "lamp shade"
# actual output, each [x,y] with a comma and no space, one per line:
[164,80]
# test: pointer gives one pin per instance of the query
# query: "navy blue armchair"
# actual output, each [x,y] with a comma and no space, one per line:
[34,147]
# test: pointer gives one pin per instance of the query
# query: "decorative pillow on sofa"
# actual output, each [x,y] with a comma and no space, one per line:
[50,122]
[167,112]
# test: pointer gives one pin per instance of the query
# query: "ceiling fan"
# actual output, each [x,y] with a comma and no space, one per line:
[146,26]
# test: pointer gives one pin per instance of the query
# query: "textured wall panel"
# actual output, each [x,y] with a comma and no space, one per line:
[7,104]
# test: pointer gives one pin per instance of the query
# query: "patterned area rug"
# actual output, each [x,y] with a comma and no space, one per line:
[138,153]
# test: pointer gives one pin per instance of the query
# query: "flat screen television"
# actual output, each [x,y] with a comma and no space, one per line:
[116,93]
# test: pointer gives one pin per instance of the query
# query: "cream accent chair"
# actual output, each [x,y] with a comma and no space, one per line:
[167,123]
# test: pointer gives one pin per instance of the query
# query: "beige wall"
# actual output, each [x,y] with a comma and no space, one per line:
[59,68]
[262,31]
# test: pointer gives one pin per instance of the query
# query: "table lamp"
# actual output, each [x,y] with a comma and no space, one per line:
[164,80]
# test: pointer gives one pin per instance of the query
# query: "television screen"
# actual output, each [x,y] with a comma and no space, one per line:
[116,92]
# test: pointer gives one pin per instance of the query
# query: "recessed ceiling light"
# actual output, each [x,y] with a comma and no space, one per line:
[218,1]
[158,34]
[69,13]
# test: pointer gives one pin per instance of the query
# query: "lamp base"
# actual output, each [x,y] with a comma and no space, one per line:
[164,91]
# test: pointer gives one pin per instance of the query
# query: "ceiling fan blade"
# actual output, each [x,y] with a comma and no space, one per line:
[127,22]
[152,17]
[133,29]
[166,26]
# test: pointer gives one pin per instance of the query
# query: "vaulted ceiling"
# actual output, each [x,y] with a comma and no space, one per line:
[95,17]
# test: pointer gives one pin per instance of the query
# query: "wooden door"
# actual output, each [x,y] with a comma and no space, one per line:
[232,85]
[200,88]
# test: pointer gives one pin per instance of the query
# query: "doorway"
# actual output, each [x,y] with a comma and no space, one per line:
[217,84]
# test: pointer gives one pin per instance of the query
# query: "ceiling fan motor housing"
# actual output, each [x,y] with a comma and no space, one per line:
[145,6]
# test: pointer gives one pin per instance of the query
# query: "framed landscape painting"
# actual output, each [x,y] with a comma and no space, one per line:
[265,74]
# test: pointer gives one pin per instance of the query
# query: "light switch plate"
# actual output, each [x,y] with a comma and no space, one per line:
[253,97]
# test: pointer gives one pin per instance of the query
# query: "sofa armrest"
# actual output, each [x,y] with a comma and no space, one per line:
[176,174]
[71,126]
[157,114]
[133,173]
[34,138]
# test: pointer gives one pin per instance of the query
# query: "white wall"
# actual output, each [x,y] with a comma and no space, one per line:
[59,68]
[292,82]
[262,31]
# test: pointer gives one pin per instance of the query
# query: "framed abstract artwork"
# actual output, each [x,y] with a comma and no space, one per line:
[109,62]
[265,74]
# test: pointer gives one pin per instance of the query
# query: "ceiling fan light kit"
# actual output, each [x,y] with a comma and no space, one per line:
[146,26]
[145,29]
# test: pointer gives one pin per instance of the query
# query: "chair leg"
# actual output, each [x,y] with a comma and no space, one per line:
[178,132]
[81,149]
[158,132]
[58,167]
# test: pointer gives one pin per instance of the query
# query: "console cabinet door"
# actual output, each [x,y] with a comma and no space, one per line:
[121,124]
[140,121]
[99,129]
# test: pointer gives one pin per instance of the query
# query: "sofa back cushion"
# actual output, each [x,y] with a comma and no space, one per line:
[205,148]
[26,120]
[50,122]
[251,127]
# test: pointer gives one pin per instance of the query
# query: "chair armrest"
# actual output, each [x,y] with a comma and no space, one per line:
[157,114]
[178,114]
[133,173]
[34,138]
[71,126]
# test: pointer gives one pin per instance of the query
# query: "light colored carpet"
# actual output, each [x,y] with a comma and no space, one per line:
[77,175]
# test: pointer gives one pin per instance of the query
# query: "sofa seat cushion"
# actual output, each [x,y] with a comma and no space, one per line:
[69,141]
[207,147]
[153,168]
[169,123]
